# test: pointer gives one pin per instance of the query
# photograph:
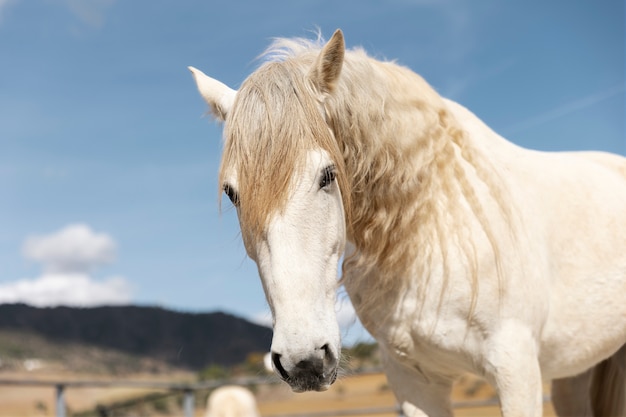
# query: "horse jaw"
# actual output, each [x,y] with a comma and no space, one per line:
[297,260]
[218,96]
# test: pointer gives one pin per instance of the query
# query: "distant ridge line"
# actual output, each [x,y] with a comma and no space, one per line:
[186,340]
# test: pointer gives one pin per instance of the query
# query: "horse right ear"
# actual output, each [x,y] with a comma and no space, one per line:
[327,66]
[218,96]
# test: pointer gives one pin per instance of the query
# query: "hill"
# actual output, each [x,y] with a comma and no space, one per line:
[182,340]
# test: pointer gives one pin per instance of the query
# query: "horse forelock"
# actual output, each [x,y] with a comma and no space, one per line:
[274,121]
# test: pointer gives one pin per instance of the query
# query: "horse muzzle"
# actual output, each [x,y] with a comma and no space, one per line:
[314,372]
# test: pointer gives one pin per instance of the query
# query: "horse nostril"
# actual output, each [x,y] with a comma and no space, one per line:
[279,367]
[327,351]
[329,356]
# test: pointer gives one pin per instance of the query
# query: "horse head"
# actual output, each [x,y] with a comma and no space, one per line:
[283,171]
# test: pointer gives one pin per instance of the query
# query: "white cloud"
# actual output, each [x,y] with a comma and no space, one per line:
[75,248]
[71,289]
[68,258]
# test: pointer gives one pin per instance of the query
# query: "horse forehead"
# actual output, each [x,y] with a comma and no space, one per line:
[314,161]
[229,174]
[317,159]
[303,184]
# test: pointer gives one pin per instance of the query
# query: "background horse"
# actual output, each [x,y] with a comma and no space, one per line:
[464,252]
[232,401]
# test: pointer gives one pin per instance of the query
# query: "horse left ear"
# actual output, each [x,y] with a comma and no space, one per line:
[327,66]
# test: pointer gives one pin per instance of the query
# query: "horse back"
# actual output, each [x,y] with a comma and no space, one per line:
[613,162]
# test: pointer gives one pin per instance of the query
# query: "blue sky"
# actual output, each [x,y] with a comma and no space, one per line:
[108,168]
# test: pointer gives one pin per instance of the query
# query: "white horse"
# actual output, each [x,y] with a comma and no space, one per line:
[464,252]
[232,401]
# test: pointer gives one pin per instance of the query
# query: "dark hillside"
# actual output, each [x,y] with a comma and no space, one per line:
[181,339]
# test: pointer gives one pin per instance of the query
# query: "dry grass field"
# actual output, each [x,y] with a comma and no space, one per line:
[370,391]
[365,392]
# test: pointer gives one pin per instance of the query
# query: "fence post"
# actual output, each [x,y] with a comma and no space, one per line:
[60,400]
[188,403]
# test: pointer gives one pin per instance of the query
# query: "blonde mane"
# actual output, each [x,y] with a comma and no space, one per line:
[401,159]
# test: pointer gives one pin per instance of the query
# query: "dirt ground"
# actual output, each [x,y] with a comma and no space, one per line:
[361,394]
[371,392]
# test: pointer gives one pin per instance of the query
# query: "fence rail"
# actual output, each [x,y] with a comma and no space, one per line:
[189,390]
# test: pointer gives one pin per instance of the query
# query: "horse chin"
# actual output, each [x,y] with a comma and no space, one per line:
[299,389]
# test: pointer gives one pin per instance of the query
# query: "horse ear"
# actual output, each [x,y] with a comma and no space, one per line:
[327,66]
[218,96]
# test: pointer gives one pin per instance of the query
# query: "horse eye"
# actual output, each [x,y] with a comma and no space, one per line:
[232,194]
[328,176]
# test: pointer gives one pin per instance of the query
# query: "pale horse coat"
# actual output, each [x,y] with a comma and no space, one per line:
[232,401]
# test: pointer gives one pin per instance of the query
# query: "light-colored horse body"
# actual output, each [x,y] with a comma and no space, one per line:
[465,252]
